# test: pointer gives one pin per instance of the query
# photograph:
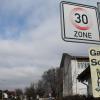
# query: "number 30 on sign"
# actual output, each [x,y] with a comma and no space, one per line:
[79,18]
[79,23]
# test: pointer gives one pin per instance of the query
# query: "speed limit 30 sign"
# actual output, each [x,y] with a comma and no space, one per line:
[79,23]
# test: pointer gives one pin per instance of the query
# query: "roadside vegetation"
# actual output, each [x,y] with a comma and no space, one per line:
[80,97]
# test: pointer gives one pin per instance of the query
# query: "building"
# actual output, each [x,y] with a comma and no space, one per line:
[72,66]
[84,77]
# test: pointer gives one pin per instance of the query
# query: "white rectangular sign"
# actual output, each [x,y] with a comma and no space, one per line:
[94,56]
[79,23]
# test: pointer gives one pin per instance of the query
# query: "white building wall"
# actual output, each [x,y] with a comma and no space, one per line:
[67,77]
[77,68]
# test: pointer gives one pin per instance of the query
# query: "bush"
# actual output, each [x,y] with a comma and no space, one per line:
[80,97]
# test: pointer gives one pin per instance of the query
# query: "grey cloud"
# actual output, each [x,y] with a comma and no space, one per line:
[24,60]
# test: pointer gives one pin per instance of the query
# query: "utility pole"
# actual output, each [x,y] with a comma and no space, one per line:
[2,95]
[98,6]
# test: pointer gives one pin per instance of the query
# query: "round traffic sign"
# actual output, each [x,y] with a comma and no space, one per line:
[80,19]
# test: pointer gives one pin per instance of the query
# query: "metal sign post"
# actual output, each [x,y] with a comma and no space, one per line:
[98,4]
[79,23]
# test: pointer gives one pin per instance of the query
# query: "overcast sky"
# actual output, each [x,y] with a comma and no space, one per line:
[30,40]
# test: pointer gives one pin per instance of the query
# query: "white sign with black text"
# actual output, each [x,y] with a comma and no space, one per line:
[79,23]
[94,57]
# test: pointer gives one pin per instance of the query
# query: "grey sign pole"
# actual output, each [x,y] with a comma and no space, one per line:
[98,5]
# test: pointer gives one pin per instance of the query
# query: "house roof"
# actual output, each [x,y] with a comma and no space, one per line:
[85,75]
[64,55]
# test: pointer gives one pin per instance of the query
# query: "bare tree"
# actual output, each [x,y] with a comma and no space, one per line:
[30,92]
[40,89]
[19,94]
[51,82]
